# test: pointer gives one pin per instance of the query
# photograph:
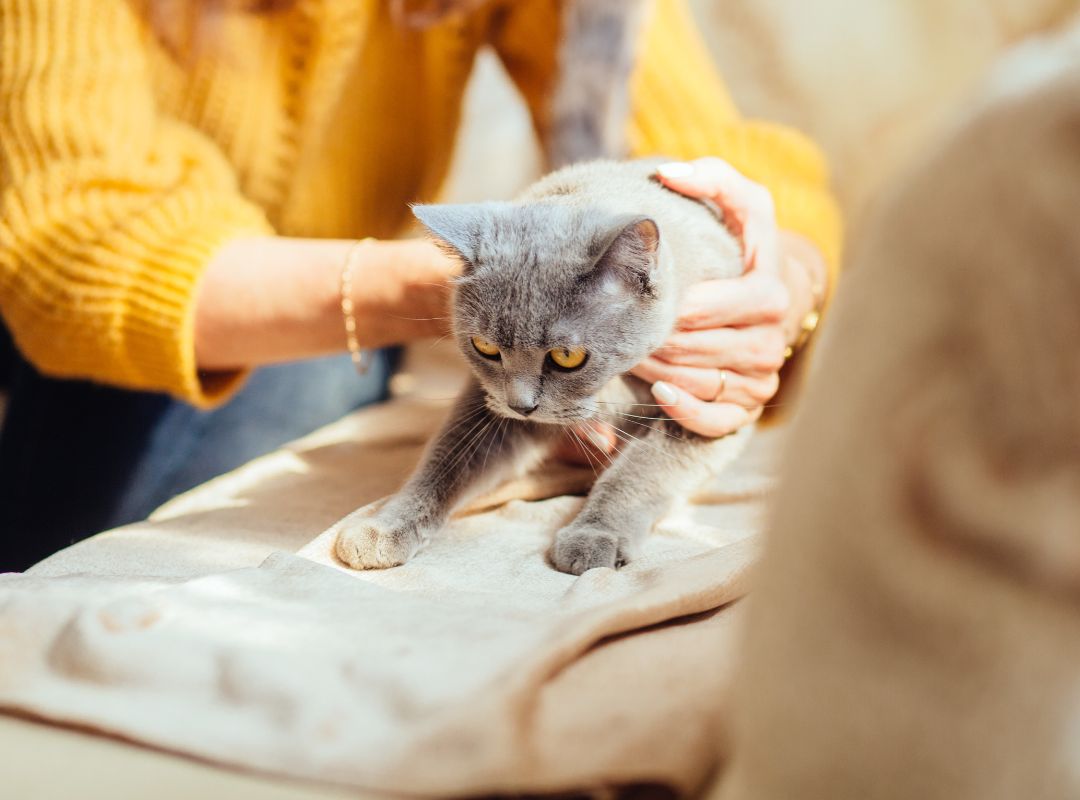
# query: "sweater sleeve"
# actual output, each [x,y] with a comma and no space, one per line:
[109,211]
[681,108]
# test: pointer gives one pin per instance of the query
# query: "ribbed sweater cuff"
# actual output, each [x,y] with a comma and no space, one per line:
[159,343]
[122,311]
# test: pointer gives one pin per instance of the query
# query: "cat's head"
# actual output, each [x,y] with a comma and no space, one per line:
[554,301]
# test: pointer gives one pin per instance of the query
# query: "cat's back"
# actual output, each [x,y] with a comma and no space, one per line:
[700,244]
[598,180]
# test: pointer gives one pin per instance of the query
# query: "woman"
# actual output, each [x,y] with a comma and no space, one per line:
[177,210]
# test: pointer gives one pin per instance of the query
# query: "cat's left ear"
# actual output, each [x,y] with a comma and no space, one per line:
[458,227]
[630,254]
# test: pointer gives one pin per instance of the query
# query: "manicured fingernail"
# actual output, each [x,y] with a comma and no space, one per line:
[598,440]
[664,393]
[676,169]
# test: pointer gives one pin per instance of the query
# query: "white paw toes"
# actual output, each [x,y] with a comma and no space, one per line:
[374,544]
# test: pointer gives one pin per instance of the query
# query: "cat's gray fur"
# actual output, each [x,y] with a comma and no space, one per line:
[598,255]
[590,101]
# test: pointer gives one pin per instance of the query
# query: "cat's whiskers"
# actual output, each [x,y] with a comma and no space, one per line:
[654,428]
[427,399]
[628,403]
[435,342]
[585,450]
[472,415]
[625,415]
[416,319]
[500,429]
[628,437]
[622,437]
[657,429]
[632,403]
[619,451]
[467,450]
[470,437]
[450,454]
[628,415]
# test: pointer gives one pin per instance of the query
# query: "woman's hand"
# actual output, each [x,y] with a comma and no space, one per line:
[721,366]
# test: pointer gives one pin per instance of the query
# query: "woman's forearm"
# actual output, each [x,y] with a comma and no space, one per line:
[271,299]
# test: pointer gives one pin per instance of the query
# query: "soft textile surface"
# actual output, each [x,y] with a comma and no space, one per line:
[473,668]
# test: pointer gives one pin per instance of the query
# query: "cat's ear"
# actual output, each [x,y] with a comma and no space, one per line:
[458,228]
[629,255]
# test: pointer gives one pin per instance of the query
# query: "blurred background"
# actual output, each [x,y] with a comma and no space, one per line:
[869,81]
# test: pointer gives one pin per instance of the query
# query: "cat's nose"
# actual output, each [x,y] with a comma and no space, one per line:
[522,394]
[524,410]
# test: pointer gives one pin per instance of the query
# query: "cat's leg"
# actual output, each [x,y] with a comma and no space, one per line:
[590,102]
[654,466]
[465,457]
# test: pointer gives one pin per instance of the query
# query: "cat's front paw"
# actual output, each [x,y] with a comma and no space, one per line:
[374,543]
[579,548]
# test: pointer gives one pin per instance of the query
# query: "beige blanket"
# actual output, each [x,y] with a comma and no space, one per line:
[475,668]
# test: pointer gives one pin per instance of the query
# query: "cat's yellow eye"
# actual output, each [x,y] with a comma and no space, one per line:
[485,347]
[568,357]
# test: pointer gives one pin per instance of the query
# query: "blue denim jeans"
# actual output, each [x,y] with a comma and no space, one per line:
[77,457]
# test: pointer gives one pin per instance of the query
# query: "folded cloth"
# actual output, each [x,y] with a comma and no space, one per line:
[472,669]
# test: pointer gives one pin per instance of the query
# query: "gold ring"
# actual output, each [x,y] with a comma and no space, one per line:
[722,386]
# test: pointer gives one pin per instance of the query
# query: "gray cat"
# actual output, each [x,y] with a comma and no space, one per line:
[563,291]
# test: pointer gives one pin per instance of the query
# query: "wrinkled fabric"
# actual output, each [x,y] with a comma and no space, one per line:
[474,668]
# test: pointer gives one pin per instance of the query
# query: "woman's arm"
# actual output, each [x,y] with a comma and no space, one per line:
[109,210]
[129,256]
[270,299]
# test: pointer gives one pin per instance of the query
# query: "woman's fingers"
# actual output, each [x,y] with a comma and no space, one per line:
[748,391]
[761,242]
[707,419]
[749,300]
[705,178]
[736,324]
[752,350]
[747,205]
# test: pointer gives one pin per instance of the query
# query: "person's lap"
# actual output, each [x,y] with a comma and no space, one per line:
[77,458]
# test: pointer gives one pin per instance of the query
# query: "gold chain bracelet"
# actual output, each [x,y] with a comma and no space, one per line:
[358,356]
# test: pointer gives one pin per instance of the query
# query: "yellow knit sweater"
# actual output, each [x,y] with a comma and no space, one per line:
[123,168]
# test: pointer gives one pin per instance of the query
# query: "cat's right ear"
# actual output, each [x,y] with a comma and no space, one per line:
[629,255]
[457,228]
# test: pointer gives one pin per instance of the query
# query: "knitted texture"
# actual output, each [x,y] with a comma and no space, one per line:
[125,166]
